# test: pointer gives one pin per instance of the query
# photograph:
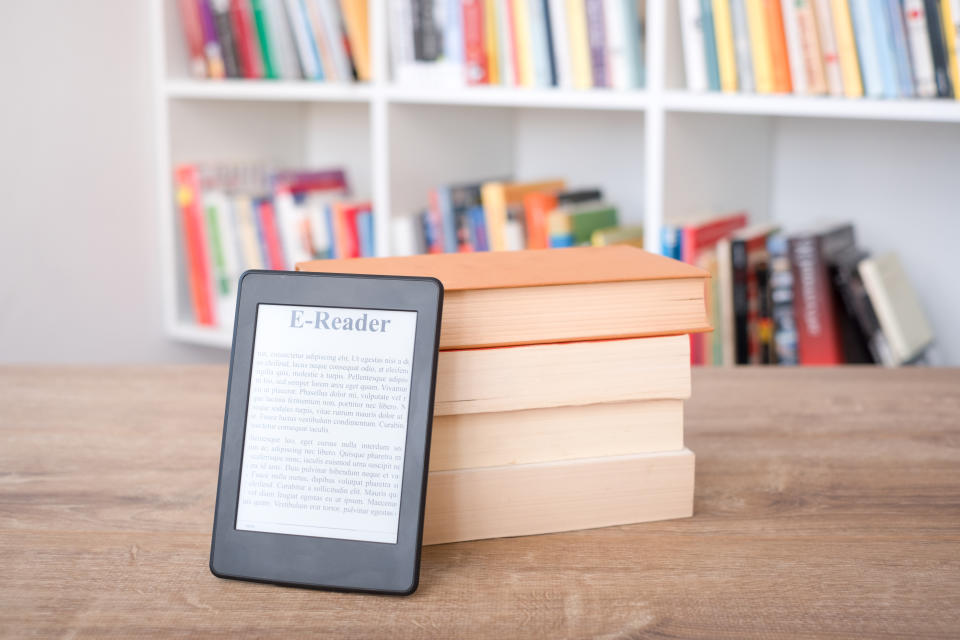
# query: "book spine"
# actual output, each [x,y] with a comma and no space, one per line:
[560,38]
[828,47]
[741,329]
[726,53]
[618,54]
[303,36]
[764,321]
[263,36]
[491,44]
[938,49]
[195,244]
[778,47]
[365,232]
[694,54]
[882,34]
[335,38]
[247,233]
[741,41]
[760,46]
[950,35]
[847,48]
[427,38]
[710,45]
[954,33]
[506,54]
[867,48]
[281,35]
[635,24]
[221,21]
[920,52]
[211,45]
[901,49]
[514,39]
[401,39]
[475,57]
[243,30]
[273,246]
[521,20]
[357,24]
[810,48]
[193,34]
[579,44]
[539,44]
[537,207]
[597,39]
[791,31]
[781,300]
[817,339]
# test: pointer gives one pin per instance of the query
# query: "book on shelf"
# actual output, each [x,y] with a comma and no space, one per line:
[578,44]
[277,39]
[851,48]
[793,298]
[237,217]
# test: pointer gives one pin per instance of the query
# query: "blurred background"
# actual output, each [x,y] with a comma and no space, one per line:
[806,153]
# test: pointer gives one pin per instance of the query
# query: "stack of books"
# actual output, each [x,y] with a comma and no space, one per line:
[560,388]
[850,48]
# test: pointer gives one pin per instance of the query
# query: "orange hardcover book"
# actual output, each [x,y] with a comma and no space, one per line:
[537,206]
[778,47]
[556,295]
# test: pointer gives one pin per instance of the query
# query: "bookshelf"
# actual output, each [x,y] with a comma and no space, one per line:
[659,152]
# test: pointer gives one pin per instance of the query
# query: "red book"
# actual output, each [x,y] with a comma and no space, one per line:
[347,237]
[818,334]
[515,58]
[270,235]
[475,53]
[193,32]
[195,243]
[245,36]
[698,247]
[435,220]
[537,206]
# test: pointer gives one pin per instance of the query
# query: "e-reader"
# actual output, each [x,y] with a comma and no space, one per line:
[326,432]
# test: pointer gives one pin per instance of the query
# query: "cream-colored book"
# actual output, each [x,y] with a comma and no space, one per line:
[520,500]
[474,440]
[564,374]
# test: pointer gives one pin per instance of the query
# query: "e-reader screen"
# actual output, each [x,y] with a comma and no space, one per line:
[326,425]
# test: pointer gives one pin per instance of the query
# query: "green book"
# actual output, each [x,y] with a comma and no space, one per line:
[589,217]
[260,17]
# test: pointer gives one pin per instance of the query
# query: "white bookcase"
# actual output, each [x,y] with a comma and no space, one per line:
[891,166]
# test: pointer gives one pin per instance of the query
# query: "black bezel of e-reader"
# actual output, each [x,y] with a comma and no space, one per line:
[326,563]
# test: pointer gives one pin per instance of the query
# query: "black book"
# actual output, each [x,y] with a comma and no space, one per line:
[427,33]
[857,303]
[839,250]
[578,196]
[938,47]
[550,36]
[741,302]
[228,44]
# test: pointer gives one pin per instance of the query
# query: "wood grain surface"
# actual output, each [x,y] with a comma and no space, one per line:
[827,505]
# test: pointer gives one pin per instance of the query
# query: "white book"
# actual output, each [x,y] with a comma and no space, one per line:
[282,39]
[741,45]
[538,43]
[828,47]
[791,30]
[406,236]
[453,38]
[304,39]
[291,223]
[561,44]
[921,56]
[873,86]
[614,17]
[318,215]
[897,307]
[694,52]
[401,37]
[330,13]
[224,263]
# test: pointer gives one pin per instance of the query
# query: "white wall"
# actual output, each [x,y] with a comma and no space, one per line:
[79,264]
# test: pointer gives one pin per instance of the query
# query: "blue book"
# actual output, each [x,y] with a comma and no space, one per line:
[453,31]
[865,35]
[901,51]
[710,45]
[670,239]
[634,43]
[308,35]
[328,219]
[883,37]
[478,229]
[448,220]
[429,234]
[365,234]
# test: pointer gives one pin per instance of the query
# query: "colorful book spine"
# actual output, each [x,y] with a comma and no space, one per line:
[873,85]
[303,36]
[617,52]
[726,52]
[781,302]
[882,35]
[710,45]
[634,25]
[901,50]
[356,21]
[263,37]
[211,45]
[560,37]
[777,40]
[193,34]
[244,33]
[810,48]
[828,47]
[524,46]
[950,31]
[795,57]
[596,42]
[221,22]
[270,234]
[537,206]
[760,46]
[195,244]
[491,43]
[741,43]
[694,54]
[938,47]
[847,48]
[921,56]
[579,44]
[818,341]
[540,44]
[474,46]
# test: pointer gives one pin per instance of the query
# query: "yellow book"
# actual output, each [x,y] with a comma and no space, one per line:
[847,49]
[498,197]
[579,45]
[760,46]
[726,56]
[357,23]
[521,22]
[949,37]
[490,41]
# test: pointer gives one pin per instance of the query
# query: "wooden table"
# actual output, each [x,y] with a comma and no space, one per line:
[827,504]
